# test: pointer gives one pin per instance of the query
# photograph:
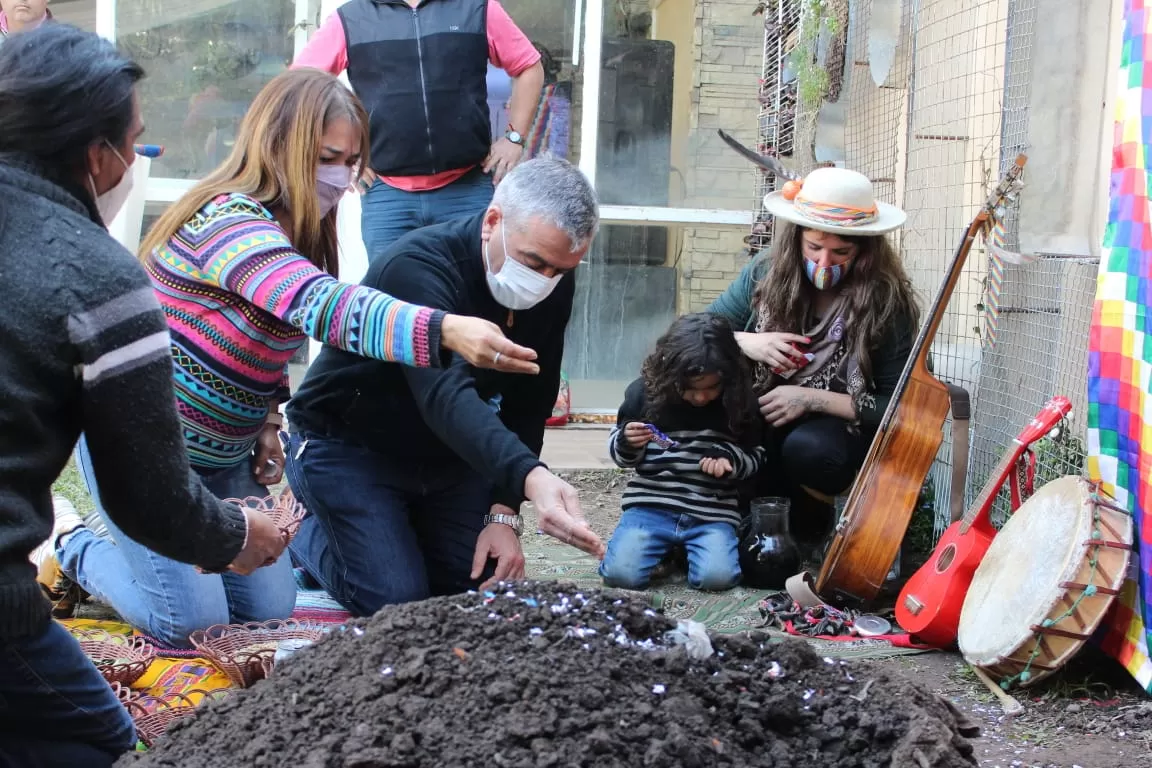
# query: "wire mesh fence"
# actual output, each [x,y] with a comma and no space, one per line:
[777,97]
[1035,342]
[937,108]
[955,110]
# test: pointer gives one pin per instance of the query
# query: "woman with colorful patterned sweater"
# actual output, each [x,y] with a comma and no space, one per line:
[244,266]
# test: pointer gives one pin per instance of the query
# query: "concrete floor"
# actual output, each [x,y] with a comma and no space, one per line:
[577,446]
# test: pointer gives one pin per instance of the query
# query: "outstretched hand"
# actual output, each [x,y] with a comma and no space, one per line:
[484,345]
[558,512]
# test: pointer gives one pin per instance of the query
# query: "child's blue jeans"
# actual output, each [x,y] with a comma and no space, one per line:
[645,535]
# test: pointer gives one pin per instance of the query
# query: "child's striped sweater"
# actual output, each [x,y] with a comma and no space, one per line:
[670,479]
[240,301]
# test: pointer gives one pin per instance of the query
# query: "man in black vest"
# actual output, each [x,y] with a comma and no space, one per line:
[413,479]
[420,68]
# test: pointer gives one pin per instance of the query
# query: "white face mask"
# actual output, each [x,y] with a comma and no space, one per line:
[110,203]
[515,286]
[331,183]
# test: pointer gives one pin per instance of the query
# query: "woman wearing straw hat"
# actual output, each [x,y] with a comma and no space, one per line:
[828,319]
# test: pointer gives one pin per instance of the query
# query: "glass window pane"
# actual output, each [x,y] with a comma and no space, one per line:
[78,13]
[549,25]
[625,298]
[205,60]
[672,73]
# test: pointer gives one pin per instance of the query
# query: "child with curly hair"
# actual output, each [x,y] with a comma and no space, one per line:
[690,428]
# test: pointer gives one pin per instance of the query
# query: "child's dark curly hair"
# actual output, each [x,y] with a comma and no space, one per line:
[697,345]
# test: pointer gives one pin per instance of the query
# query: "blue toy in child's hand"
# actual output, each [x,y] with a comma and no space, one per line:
[660,438]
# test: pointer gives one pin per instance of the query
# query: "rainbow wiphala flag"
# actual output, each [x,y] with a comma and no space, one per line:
[1120,344]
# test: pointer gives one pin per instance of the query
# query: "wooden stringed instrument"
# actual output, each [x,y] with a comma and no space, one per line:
[880,504]
[930,603]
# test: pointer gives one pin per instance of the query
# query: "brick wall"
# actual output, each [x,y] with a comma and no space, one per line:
[727,52]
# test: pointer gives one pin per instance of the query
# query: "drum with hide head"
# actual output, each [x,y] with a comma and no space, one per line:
[1046,582]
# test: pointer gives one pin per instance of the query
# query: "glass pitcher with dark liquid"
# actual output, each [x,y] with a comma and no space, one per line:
[768,553]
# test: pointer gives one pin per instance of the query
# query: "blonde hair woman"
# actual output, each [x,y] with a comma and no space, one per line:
[245,266]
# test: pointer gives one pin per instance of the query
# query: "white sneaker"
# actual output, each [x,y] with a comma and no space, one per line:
[67,520]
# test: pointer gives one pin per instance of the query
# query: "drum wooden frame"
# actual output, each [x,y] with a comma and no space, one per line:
[1046,582]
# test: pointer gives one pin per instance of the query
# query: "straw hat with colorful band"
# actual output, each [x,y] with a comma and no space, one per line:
[836,200]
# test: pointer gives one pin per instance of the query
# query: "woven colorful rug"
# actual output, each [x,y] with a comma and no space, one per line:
[168,673]
[1120,342]
[177,670]
[735,610]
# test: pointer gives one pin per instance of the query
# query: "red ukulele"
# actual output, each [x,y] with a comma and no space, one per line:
[929,605]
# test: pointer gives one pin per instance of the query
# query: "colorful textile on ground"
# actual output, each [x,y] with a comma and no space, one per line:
[179,671]
[240,301]
[165,674]
[729,612]
[313,604]
[1120,342]
[824,622]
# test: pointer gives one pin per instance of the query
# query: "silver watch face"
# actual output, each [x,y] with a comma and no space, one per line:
[515,137]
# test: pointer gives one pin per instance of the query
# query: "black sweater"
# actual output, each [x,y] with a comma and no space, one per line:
[86,348]
[441,415]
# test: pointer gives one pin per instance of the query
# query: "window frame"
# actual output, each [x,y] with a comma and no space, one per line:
[166,190]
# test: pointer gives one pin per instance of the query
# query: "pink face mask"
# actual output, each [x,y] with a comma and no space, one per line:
[332,182]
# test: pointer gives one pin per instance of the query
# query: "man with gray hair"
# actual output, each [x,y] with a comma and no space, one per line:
[413,478]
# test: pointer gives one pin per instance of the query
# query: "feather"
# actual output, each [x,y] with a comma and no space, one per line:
[769,164]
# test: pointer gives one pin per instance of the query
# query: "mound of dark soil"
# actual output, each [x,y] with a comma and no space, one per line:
[538,675]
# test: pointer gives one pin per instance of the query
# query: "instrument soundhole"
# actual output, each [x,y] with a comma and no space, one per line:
[946,558]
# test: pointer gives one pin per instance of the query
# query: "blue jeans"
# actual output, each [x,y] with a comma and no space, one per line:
[644,536]
[56,709]
[381,530]
[387,213]
[167,599]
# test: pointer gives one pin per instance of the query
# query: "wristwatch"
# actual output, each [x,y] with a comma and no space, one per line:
[514,136]
[515,522]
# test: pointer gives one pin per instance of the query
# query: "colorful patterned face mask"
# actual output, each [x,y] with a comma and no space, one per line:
[824,278]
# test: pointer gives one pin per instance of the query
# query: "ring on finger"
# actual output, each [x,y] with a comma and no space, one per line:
[496,360]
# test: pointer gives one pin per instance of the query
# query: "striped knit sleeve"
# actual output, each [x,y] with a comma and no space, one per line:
[253,258]
[124,370]
[621,453]
[630,410]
